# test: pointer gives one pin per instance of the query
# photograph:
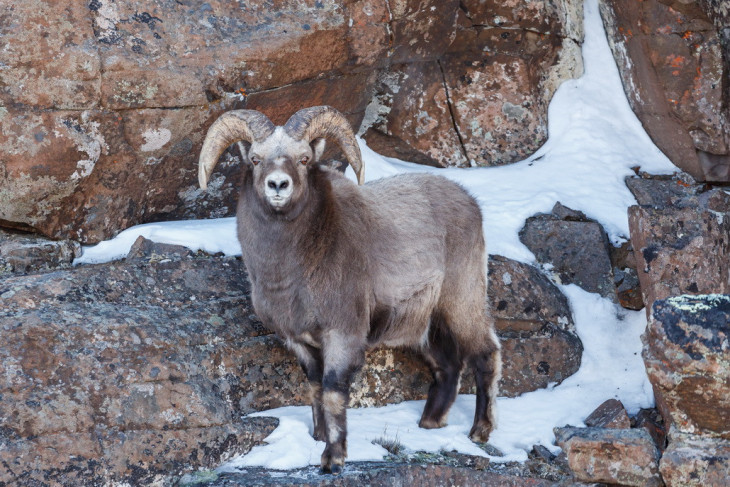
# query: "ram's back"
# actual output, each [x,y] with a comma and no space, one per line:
[423,229]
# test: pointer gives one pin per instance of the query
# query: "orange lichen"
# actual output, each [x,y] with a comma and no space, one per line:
[675,61]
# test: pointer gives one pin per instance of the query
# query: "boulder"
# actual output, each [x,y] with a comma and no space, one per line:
[576,249]
[683,248]
[135,369]
[693,461]
[674,60]
[686,356]
[661,192]
[535,325]
[612,456]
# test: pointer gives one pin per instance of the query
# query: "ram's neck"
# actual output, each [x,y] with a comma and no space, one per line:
[281,246]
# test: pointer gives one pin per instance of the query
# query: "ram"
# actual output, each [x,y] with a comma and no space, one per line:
[337,268]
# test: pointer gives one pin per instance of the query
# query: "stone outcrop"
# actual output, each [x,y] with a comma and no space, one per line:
[687,360]
[103,115]
[682,248]
[142,368]
[674,61]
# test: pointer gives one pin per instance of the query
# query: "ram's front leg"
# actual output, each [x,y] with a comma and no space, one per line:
[343,356]
[310,358]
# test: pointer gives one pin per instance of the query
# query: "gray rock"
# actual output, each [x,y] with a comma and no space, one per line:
[659,193]
[141,369]
[577,250]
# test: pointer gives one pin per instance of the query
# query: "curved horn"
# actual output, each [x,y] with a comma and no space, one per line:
[323,121]
[233,126]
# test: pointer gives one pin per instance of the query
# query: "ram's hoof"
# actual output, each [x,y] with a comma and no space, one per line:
[331,469]
[429,423]
[480,433]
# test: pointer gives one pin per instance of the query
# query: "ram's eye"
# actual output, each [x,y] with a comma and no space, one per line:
[255,160]
[304,160]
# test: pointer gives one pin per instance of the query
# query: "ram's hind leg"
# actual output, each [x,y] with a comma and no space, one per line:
[310,358]
[444,358]
[487,367]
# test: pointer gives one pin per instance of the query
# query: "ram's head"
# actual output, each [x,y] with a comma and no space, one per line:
[281,157]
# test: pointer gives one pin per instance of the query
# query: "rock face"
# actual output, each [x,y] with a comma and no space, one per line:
[134,370]
[687,360]
[674,60]
[613,456]
[481,97]
[102,116]
[683,248]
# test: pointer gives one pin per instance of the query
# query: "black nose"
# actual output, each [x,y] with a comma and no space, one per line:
[278,186]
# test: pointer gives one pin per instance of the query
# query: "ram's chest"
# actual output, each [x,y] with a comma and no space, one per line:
[282,305]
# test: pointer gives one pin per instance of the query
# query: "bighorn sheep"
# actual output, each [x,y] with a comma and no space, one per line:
[338,268]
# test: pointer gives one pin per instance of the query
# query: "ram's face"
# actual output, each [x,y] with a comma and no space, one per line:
[280,167]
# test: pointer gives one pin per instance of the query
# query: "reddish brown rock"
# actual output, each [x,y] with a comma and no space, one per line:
[418,34]
[610,414]
[692,461]
[670,58]
[687,361]
[49,57]
[483,102]
[612,456]
[683,248]
[418,115]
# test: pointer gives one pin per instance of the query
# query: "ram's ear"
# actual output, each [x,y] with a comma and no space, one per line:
[318,146]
